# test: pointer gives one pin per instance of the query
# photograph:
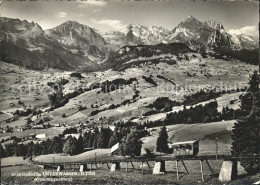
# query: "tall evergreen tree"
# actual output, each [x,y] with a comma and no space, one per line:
[79,145]
[133,144]
[121,149]
[254,82]
[19,150]
[57,145]
[2,152]
[70,146]
[101,141]
[96,135]
[115,138]
[86,139]
[91,140]
[15,149]
[95,142]
[30,149]
[246,104]
[161,144]
[245,133]
[36,149]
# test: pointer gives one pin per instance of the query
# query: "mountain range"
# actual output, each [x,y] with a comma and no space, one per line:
[72,46]
[27,44]
[210,34]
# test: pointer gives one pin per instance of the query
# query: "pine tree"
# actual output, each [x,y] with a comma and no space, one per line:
[24,150]
[56,145]
[254,82]
[30,149]
[20,150]
[133,144]
[95,142]
[15,149]
[96,135]
[36,149]
[101,141]
[86,139]
[69,146]
[161,144]
[2,152]
[104,137]
[246,104]
[245,133]
[48,146]
[121,149]
[91,140]
[115,138]
[79,145]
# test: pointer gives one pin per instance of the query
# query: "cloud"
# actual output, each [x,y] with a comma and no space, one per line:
[247,30]
[61,15]
[81,15]
[88,3]
[96,10]
[113,24]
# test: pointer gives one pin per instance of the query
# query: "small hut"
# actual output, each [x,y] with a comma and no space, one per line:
[186,148]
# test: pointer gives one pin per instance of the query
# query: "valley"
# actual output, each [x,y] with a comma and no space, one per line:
[30,87]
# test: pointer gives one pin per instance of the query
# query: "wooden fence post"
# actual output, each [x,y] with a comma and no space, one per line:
[201,169]
[142,167]
[177,169]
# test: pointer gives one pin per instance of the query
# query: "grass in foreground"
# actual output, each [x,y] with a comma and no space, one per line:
[134,176]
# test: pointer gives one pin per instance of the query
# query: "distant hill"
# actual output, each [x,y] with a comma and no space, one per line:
[244,55]
[123,57]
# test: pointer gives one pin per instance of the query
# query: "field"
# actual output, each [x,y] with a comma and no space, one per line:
[105,176]
[90,155]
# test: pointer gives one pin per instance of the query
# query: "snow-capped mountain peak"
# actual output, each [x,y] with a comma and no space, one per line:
[209,33]
[190,18]
[138,34]
[215,25]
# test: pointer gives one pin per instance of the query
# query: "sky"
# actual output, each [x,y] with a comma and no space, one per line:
[239,17]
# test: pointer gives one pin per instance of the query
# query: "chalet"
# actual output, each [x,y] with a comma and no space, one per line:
[57,125]
[41,136]
[38,126]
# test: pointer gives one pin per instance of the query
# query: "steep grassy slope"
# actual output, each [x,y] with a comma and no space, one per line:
[206,133]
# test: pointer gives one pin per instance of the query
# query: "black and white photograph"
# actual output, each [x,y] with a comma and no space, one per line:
[129,92]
